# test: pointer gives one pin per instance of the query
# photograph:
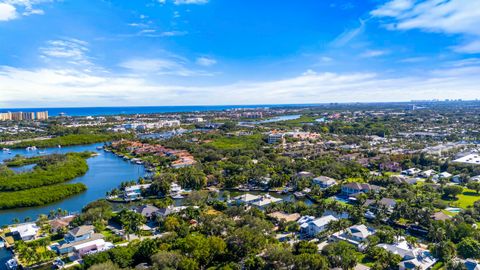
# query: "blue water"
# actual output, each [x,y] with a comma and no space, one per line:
[94,111]
[5,255]
[272,120]
[106,171]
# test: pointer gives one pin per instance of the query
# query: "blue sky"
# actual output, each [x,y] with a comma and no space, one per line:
[192,52]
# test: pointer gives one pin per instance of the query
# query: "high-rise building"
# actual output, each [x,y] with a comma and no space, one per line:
[17,116]
[42,115]
[28,115]
[5,116]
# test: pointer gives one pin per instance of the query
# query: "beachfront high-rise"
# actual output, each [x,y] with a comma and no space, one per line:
[19,116]
[42,115]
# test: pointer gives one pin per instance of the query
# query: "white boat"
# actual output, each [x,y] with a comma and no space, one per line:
[59,146]
[5,150]
[11,264]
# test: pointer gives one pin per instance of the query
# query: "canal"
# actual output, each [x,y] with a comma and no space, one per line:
[106,171]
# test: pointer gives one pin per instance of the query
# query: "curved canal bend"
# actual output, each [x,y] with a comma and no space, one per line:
[105,172]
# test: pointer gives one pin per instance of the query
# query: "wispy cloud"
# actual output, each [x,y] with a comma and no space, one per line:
[206,61]
[460,17]
[347,36]
[68,50]
[190,2]
[162,66]
[374,53]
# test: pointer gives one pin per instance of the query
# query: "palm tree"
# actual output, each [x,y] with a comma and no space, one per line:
[131,222]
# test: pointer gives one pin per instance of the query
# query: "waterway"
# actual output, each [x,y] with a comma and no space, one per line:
[272,120]
[106,171]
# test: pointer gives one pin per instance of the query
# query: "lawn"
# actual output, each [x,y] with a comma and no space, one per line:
[237,143]
[465,200]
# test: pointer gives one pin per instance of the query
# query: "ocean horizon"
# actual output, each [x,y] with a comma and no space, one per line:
[128,110]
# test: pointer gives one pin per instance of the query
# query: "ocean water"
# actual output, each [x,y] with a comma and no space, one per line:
[95,111]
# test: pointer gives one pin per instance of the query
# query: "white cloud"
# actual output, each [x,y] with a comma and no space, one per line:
[189,2]
[162,66]
[393,8]
[14,9]
[206,61]
[69,50]
[7,12]
[348,35]
[373,53]
[74,87]
[460,17]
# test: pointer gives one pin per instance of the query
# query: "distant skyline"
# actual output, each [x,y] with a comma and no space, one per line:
[72,53]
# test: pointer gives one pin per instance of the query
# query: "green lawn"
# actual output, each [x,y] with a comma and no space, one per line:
[466,199]
[235,143]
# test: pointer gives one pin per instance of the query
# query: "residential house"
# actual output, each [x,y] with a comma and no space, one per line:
[80,238]
[26,232]
[442,175]
[324,181]
[354,188]
[304,175]
[411,171]
[134,192]
[427,173]
[389,204]
[356,235]
[440,216]
[312,226]
[412,257]
[60,223]
[149,211]
[259,201]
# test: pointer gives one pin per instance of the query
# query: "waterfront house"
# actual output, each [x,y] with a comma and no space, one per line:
[312,226]
[354,188]
[247,198]
[147,210]
[356,235]
[26,232]
[60,223]
[134,192]
[324,181]
[80,238]
[259,201]
[265,201]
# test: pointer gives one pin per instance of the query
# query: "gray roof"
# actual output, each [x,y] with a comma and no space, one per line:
[81,230]
[147,210]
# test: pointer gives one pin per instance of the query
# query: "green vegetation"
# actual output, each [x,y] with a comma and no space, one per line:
[39,196]
[51,169]
[70,139]
[467,198]
[236,143]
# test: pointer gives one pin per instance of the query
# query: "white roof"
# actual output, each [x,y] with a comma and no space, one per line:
[470,159]
[136,187]
[26,230]
[267,201]
[320,222]
[247,197]
[98,243]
